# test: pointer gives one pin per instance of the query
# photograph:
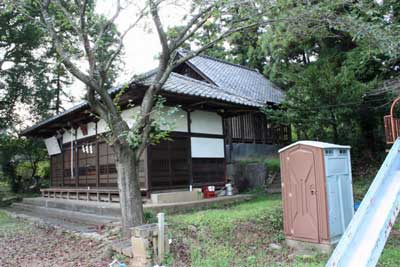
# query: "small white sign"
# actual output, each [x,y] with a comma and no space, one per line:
[207,147]
[53,148]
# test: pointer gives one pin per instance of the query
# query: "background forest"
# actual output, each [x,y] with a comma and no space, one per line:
[338,62]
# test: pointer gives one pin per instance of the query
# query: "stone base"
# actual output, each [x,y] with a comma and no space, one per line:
[303,248]
[176,197]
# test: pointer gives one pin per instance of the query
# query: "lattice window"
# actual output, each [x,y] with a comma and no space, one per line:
[108,171]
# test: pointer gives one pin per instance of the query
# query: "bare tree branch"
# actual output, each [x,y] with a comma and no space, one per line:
[164,57]
[85,40]
[65,57]
[187,32]
[107,25]
[120,45]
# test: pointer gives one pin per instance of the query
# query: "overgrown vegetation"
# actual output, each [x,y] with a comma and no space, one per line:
[246,235]
[330,59]
[24,164]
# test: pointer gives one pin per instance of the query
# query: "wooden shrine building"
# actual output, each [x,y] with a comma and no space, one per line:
[219,103]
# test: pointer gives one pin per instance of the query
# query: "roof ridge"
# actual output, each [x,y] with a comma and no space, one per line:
[229,63]
[221,61]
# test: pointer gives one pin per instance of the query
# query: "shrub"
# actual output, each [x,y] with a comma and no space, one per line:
[273,165]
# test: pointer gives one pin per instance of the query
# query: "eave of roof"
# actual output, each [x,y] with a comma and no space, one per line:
[175,84]
[79,107]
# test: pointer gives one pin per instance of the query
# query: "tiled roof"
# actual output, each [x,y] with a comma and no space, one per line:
[238,79]
[233,83]
[184,85]
[82,105]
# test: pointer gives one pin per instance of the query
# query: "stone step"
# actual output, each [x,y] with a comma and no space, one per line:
[66,215]
[123,248]
[52,221]
[88,207]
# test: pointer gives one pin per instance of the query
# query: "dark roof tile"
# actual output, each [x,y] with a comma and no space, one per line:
[237,79]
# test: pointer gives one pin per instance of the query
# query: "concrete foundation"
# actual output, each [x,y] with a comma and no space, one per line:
[307,248]
[176,197]
[103,212]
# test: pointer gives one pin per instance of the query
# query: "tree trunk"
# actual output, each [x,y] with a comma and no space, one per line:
[129,189]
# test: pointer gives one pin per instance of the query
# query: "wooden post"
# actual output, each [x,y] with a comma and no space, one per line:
[97,159]
[161,238]
[189,120]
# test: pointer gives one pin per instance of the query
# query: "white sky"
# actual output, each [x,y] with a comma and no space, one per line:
[141,44]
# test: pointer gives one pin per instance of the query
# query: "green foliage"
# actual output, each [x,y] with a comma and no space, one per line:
[161,123]
[273,164]
[322,102]
[23,163]
[275,223]
[30,73]
[328,56]
[43,170]
[150,217]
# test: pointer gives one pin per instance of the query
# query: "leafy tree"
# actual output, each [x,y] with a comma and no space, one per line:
[22,163]
[100,63]
[30,75]
[328,56]
[343,53]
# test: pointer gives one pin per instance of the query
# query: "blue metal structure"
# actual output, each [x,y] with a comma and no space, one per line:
[364,239]
[339,191]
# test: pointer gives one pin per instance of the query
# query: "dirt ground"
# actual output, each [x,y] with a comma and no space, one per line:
[26,245]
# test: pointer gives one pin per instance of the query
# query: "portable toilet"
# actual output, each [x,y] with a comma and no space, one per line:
[317,192]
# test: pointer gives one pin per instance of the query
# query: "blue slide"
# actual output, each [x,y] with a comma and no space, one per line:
[364,239]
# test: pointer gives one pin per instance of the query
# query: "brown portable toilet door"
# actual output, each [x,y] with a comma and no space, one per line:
[300,194]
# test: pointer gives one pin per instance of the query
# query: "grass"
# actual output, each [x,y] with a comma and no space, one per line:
[9,225]
[241,236]
[214,234]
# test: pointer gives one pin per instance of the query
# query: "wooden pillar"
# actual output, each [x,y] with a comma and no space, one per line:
[51,171]
[242,125]
[76,167]
[170,153]
[63,165]
[148,158]
[253,122]
[97,159]
[190,163]
[224,135]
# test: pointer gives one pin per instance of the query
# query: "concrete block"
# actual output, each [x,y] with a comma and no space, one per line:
[140,247]
[176,197]
[303,248]
[145,230]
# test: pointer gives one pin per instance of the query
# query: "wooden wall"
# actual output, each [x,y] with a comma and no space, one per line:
[255,128]
[93,165]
